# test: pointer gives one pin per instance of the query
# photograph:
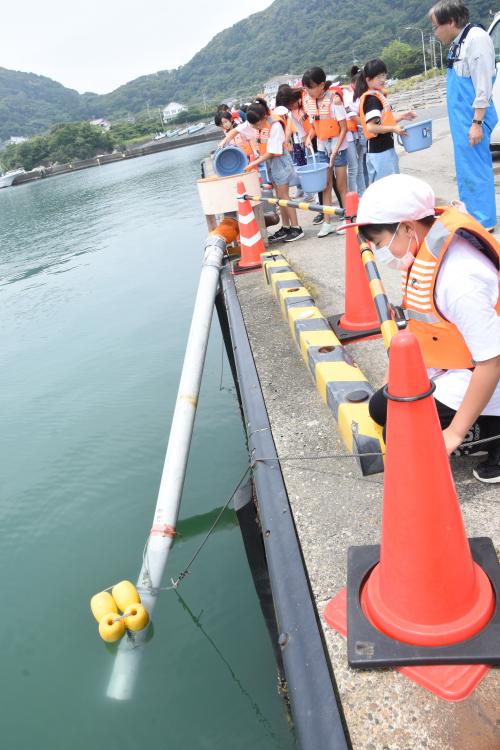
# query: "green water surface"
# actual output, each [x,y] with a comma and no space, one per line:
[98,272]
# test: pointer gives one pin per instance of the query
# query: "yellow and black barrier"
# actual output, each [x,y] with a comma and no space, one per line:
[388,326]
[340,382]
[328,210]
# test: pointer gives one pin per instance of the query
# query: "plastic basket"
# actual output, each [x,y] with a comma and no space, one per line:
[229,161]
[419,136]
[314,176]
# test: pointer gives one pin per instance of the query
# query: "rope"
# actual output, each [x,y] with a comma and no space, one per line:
[186,571]
[262,459]
[320,457]
[223,387]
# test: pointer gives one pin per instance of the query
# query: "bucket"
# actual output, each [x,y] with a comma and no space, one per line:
[314,176]
[419,136]
[264,173]
[229,161]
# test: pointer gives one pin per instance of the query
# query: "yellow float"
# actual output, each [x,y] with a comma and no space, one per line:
[125,594]
[102,604]
[136,617]
[111,627]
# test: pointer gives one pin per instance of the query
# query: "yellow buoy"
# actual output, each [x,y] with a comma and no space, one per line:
[111,628]
[124,594]
[101,604]
[136,617]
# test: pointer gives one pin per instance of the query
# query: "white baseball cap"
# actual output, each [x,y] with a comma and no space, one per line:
[395,198]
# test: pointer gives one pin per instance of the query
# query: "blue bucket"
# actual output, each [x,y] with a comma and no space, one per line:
[229,161]
[314,176]
[419,136]
[264,173]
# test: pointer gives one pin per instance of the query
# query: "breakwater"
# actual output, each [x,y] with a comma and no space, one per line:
[103,159]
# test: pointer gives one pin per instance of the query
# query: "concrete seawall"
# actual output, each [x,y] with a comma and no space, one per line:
[132,153]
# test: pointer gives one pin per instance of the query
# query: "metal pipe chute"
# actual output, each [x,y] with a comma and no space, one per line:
[162,534]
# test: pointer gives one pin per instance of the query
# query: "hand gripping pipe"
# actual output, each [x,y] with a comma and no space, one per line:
[388,326]
[161,537]
[329,210]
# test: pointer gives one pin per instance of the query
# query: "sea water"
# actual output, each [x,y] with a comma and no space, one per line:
[98,273]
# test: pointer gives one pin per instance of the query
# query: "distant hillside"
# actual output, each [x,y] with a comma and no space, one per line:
[29,104]
[290,35]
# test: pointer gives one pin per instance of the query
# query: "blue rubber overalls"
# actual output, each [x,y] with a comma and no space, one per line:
[472,163]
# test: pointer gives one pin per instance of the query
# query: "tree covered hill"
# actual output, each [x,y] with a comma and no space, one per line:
[290,35]
[30,103]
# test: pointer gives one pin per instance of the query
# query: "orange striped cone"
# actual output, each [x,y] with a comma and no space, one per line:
[251,241]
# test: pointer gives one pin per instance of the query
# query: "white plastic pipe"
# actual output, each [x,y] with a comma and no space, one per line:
[127,660]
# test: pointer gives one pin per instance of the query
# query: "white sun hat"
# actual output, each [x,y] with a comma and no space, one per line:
[395,198]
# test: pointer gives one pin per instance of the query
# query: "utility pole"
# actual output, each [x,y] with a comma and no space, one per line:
[415,28]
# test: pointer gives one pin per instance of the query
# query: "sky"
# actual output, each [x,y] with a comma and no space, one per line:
[98,45]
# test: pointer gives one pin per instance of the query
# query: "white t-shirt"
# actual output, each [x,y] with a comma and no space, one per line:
[466,293]
[247,130]
[338,112]
[351,111]
[276,136]
[276,139]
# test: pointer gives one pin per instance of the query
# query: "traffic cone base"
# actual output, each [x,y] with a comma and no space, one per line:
[252,245]
[451,672]
[449,682]
[433,634]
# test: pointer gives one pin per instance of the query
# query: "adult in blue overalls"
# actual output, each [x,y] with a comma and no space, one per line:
[472,114]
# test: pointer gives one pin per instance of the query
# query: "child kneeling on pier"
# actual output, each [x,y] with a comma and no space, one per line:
[450,266]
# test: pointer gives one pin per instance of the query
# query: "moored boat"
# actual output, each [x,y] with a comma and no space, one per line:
[8,178]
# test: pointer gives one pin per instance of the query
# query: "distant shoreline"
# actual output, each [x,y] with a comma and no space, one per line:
[100,161]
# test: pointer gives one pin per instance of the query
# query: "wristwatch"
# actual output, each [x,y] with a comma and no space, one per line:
[477,122]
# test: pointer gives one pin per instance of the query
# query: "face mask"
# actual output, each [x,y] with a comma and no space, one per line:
[384,255]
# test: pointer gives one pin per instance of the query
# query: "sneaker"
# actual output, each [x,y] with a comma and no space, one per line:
[294,233]
[280,235]
[325,230]
[318,219]
[487,472]
[309,198]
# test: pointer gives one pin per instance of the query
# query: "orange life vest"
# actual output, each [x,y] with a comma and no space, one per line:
[318,110]
[387,117]
[244,144]
[303,118]
[263,133]
[442,344]
[352,124]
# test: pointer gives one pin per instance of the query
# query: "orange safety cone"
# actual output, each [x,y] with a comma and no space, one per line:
[359,319]
[427,601]
[251,241]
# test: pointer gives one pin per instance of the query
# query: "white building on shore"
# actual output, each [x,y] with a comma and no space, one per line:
[271,86]
[173,109]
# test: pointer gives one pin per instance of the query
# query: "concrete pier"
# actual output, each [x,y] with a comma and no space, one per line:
[334,507]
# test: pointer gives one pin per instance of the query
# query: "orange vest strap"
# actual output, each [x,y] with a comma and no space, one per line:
[442,344]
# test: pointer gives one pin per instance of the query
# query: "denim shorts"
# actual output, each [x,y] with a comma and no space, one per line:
[382,164]
[340,159]
[281,170]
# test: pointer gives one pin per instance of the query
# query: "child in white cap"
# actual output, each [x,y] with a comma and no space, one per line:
[450,266]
